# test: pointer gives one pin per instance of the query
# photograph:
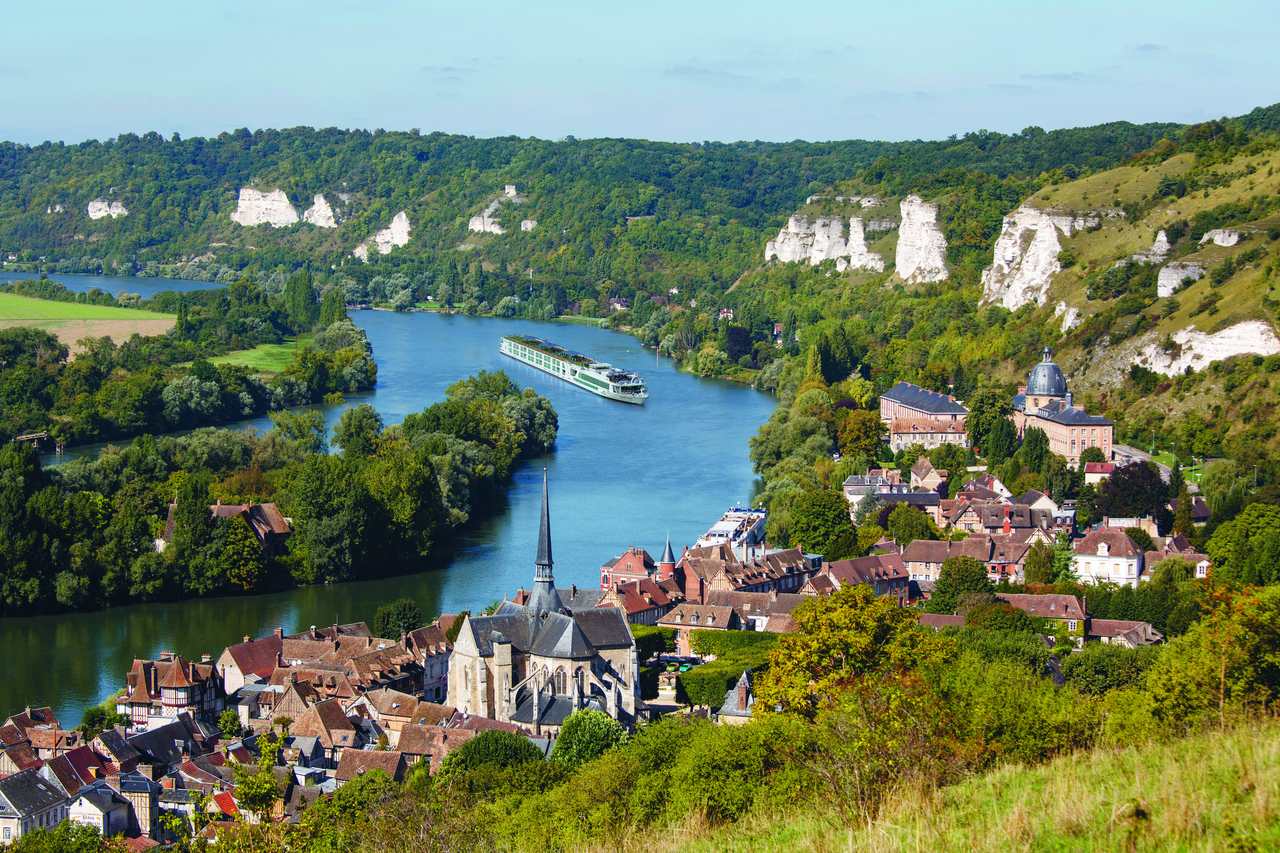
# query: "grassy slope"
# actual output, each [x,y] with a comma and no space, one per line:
[1241,295]
[43,312]
[1202,793]
[264,358]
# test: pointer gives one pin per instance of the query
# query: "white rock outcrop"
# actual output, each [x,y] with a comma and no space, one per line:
[1070,316]
[1196,349]
[1225,237]
[823,239]
[528,224]
[57,208]
[1159,250]
[100,208]
[258,208]
[383,241]
[1026,255]
[922,250]
[1172,276]
[484,221]
[320,213]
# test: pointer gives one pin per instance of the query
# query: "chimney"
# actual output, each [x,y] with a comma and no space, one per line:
[246,638]
[278,633]
[312,632]
[744,691]
[206,658]
[573,590]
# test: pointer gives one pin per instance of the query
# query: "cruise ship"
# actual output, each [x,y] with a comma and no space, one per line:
[576,368]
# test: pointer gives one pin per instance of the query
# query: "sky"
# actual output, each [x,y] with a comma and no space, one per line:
[691,71]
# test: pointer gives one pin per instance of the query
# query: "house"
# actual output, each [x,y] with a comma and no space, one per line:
[432,647]
[759,611]
[268,524]
[1045,403]
[926,478]
[328,723]
[250,657]
[886,574]
[28,801]
[74,769]
[923,558]
[738,702]
[905,400]
[431,743]
[1199,510]
[1200,562]
[1037,500]
[1097,472]
[112,745]
[1066,610]
[168,745]
[390,709]
[930,503]
[1123,632]
[101,807]
[703,570]
[926,432]
[1107,554]
[858,487]
[159,691]
[689,617]
[644,601]
[143,795]
[17,758]
[29,719]
[357,762]
[632,564]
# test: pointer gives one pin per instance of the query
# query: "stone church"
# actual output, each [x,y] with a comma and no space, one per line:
[536,661]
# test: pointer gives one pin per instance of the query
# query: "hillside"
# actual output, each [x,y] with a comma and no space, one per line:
[1213,791]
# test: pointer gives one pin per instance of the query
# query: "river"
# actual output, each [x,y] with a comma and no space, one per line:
[620,475]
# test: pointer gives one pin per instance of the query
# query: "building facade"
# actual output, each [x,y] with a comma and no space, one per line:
[1045,403]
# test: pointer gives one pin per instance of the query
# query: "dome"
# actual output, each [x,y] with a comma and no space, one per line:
[1046,379]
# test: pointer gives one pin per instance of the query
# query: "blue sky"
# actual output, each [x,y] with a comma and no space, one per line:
[693,70]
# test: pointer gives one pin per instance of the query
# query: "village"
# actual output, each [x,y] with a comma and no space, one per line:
[325,705]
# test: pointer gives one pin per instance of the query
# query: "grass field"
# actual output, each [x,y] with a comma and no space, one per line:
[264,358]
[73,321]
[1210,792]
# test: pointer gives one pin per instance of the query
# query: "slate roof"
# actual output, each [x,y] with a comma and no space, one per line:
[924,400]
[1059,412]
[118,748]
[689,615]
[552,710]
[868,570]
[1047,606]
[27,792]
[102,796]
[1135,632]
[935,551]
[356,762]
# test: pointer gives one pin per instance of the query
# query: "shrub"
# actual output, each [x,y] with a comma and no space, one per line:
[586,735]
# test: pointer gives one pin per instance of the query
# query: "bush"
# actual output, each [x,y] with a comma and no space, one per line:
[586,735]
[1097,669]
[491,749]
[652,640]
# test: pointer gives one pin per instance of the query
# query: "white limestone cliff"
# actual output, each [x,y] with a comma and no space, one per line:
[258,208]
[1026,255]
[1195,349]
[1172,275]
[922,250]
[823,239]
[484,222]
[1070,316]
[57,208]
[1159,250]
[100,208]
[528,224]
[1225,237]
[386,239]
[320,213]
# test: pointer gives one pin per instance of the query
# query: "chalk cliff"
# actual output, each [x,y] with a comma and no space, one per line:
[1172,275]
[1026,255]
[1225,237]
[922,250]
[258,208]
[320,213]
[1195,349]
[1159,250]
[383,241]
[823,239]
[100,208]
[1070,316]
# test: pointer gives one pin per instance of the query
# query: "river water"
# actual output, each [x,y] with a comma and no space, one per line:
[620,475]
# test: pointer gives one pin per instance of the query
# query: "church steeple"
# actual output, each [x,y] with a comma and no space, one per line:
[667,565]
[544,598]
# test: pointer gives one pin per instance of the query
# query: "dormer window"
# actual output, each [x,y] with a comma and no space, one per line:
[1103,549]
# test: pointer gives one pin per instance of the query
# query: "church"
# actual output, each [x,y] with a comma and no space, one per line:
[535,661]
[1045,403]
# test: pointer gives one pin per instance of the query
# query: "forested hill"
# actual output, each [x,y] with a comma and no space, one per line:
[644,215]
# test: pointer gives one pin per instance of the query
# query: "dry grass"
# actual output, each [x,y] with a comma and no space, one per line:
[1210,792]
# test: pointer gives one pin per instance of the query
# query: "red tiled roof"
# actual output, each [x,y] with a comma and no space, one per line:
[256,657]
[1048,606]
[226,803]
[1118,543]
[356,762]
[1099,467]
[941,620]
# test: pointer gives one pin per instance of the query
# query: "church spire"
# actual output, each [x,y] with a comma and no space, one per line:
[667,556]
[544,562]
[544,598]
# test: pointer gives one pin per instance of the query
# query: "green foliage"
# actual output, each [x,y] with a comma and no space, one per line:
[1246,549]
[585,736]
[397,618]
[959,576]
[96,719]
[820,524]
[907,524]
[358,430]
[652,640]
[229,724]
[1098,669]
[735,652]
[66,837]
[488,750]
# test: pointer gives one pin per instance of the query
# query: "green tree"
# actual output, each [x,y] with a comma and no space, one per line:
[907,524]
[860,433]
[240,553]
[96,719]
[959,575]
[1246,549]
[332,307]
[358,429]
[820,524]
[1039,567]
[988,407]
[397,618]
[586,735]
[496,749]
[229,724]
[1182,513]
[300,301]
[836,639]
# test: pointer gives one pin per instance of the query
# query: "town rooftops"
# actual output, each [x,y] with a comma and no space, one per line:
[29,718]
[689,615]
[1104,468]
[1118,543]
[938,621]
[1131,631]
[1063,412]
[926,426]
[868,570]
[26,793]
[936,551]
[357,762]
[923,400]
[1052,606]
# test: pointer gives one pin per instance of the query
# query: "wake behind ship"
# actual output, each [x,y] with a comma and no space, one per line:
[597,377]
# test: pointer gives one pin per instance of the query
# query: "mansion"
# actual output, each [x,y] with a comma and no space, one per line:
[1045,403]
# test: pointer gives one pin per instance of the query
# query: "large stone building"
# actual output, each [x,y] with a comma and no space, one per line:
[1045,403]
[907,402]
[533,663]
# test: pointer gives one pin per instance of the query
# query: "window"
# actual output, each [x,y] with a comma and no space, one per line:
[1071,624]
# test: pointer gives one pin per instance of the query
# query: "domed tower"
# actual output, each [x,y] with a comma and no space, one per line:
[1045,384]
